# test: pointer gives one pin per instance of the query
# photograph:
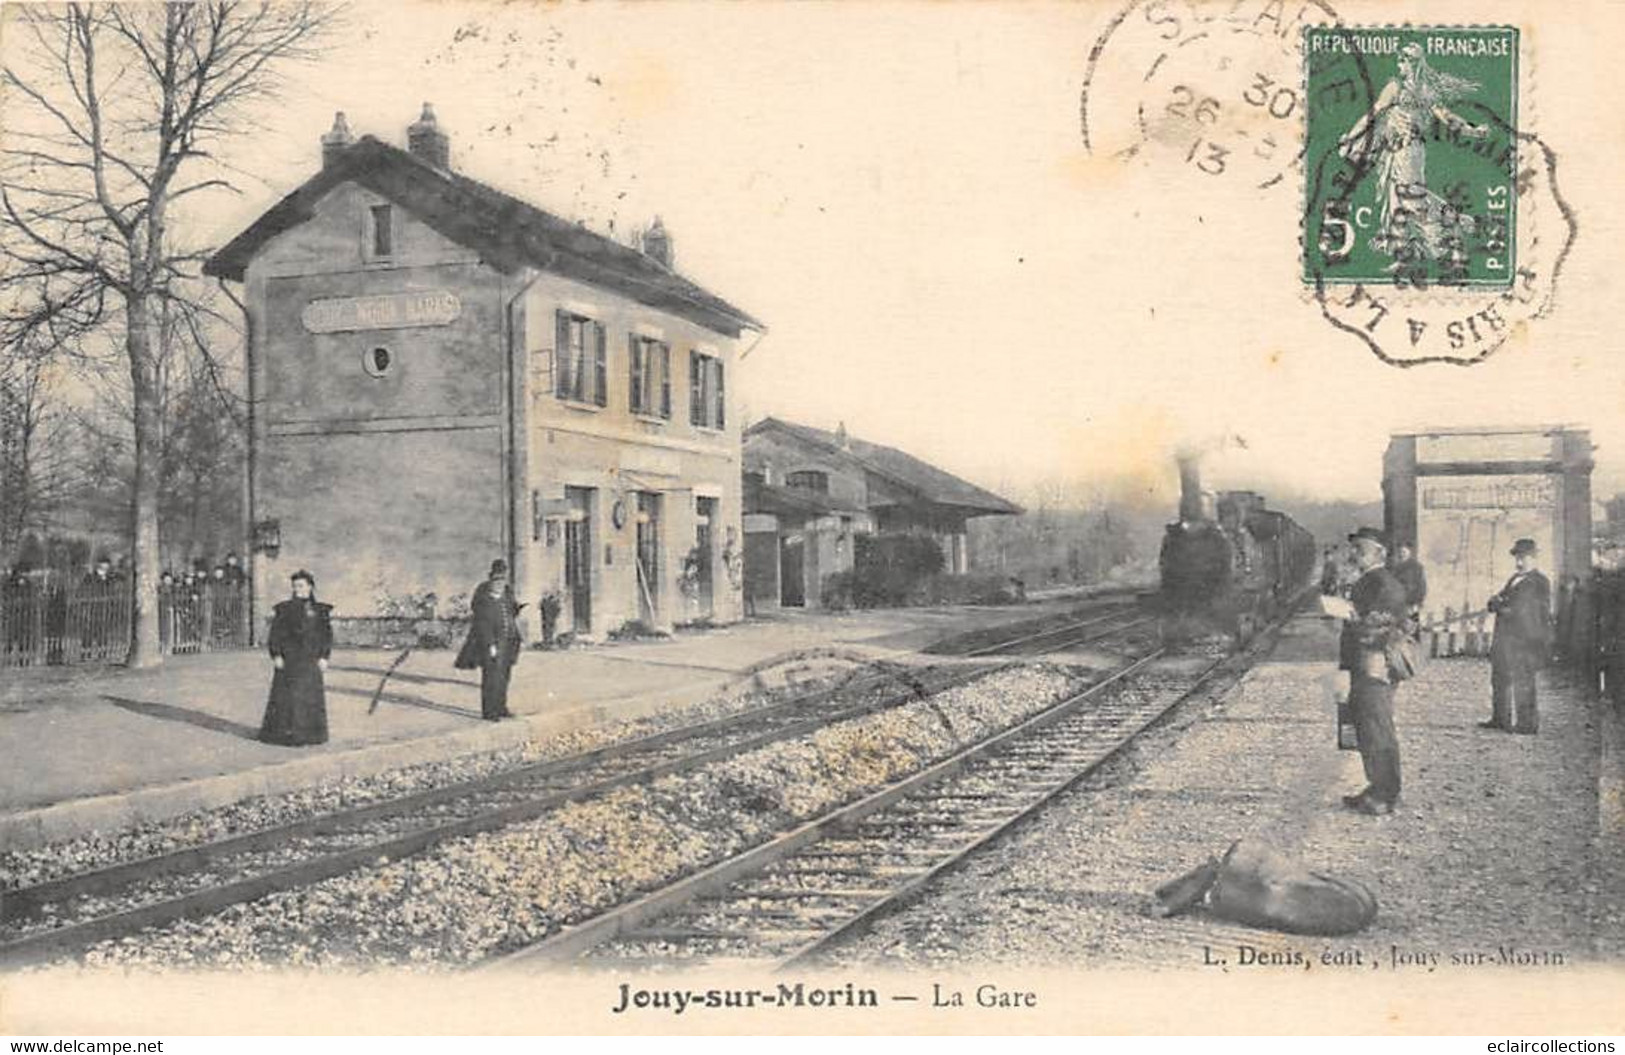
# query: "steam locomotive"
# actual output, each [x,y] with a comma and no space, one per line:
[1230,563]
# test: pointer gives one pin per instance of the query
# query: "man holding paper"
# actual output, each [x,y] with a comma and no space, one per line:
[1379,610]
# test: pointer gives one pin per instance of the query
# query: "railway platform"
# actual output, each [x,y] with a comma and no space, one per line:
[1506,852]
[102,749]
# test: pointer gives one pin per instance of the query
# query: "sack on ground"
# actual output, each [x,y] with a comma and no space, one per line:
[1260,887]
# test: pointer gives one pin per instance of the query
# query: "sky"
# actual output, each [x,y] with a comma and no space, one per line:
[902,194]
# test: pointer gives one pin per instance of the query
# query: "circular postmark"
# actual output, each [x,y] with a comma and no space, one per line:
[1431,230]
[1212,90]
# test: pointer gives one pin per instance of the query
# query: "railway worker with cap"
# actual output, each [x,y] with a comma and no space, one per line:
[493,641]
[1379,603]
[1523,636]
[301,640]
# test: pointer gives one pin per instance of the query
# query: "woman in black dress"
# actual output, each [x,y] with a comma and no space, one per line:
[301,640]
[493,641]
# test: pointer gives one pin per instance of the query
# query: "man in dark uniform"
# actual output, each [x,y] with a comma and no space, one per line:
[1523,636]
[493,641]
[1379,604]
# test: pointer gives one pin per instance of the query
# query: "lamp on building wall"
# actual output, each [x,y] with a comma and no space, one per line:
[268,537]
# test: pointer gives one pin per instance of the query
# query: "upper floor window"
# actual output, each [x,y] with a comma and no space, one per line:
[580,371]
[650,391]
[705,392]
[381,232]
[809,479]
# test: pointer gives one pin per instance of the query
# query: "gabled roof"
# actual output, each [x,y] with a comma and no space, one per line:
[508,233]
[792,501]
[897,467]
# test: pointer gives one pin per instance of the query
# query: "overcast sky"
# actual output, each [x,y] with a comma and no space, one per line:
[902,194]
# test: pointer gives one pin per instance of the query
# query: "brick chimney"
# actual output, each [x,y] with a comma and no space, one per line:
[841,439]
[425,140]
[336,140]
[657,244]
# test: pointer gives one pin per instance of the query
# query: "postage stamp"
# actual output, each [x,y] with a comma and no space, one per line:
[1417,188]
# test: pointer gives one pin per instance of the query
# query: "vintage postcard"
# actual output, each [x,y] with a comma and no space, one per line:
[1099,518]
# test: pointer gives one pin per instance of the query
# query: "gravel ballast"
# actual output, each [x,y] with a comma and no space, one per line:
[19,868]
[468,898]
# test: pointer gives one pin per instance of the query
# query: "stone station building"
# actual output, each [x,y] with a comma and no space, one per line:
[441,374]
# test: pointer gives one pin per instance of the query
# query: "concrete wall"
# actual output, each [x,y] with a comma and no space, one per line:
[391,484]
[1468,495]
[617,454]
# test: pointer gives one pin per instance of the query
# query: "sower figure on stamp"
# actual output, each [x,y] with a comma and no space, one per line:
[1413,219]
[1523,636]
[493,641]
[1379,605]
[301,640]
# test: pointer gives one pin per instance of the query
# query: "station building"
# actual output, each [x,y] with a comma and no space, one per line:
[1465,495]
[441,374]
[809,492]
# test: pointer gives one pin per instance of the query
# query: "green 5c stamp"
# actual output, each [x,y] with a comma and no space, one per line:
[1412,156]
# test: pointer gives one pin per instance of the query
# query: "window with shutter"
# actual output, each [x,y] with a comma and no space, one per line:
[561,356]
[600,355]
[717,394]
[665,381]
[651,377]
[696,389]
[637,347]
[705,391]
[580,360]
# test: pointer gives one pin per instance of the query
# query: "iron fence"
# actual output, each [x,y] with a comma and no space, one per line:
[1588,639]
[44,624]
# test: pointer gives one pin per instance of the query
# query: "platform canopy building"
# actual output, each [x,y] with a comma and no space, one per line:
[809,492]
[1464,495]
[441,374]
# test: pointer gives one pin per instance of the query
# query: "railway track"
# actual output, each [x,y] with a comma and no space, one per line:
[60,916]
[792,900]
[1097,627]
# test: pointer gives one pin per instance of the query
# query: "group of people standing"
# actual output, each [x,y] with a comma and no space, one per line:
[228,572]
[301,642]
[1379,648]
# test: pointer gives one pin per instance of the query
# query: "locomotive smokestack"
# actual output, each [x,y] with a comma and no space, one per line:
[1190,488]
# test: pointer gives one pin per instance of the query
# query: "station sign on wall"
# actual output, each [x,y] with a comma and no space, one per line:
[1465,527]
[384,311]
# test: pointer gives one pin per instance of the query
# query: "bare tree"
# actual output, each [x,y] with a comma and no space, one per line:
[37,463]
[113,117]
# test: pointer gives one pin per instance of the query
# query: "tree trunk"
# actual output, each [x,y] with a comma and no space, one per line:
[145,650]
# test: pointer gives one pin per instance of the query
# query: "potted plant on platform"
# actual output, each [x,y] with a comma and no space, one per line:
[550,607]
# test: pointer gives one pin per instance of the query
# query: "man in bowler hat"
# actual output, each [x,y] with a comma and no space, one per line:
[493,641]
[1523,637]
[1380,609]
